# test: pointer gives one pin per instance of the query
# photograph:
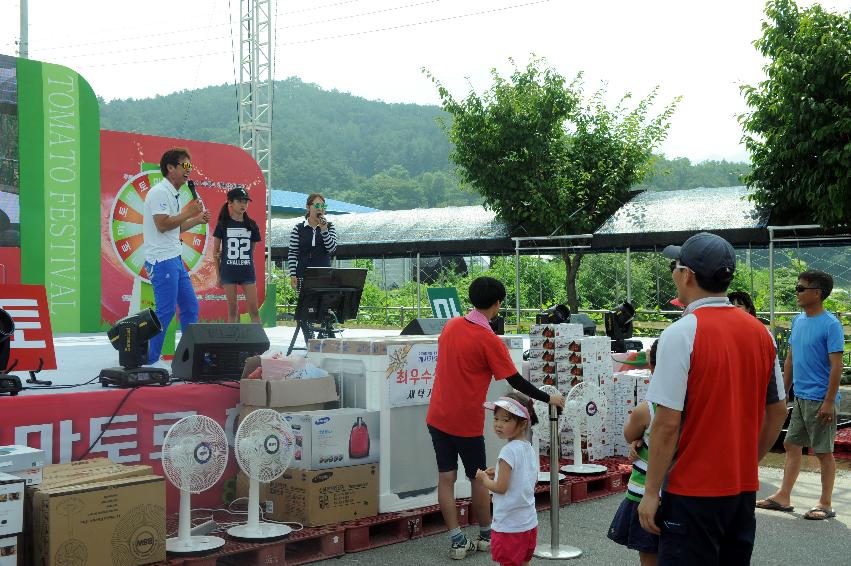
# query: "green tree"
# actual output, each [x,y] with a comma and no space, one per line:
[799,129]
[542,155]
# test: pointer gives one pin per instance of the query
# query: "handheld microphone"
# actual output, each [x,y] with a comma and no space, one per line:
[191,184]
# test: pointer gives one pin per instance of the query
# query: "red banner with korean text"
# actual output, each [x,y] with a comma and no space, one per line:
[31,344]
[129,168]
[64,425]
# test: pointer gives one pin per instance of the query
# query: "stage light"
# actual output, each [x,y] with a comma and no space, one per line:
[618,324]
[557,314]
[10,384]
[130,337]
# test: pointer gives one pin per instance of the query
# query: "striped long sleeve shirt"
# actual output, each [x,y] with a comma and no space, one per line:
[328,238]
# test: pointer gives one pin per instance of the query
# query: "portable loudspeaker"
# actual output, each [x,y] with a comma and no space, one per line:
[424,326]
[209,352]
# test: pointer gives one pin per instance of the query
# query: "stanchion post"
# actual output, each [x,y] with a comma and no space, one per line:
[554,550]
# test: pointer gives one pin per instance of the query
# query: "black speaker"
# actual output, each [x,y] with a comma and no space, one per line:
[424,326]
[209,352]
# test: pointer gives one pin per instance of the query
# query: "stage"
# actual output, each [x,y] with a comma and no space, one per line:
[80,357]
[70,423]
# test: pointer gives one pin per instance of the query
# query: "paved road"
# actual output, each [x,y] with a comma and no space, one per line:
[782,538]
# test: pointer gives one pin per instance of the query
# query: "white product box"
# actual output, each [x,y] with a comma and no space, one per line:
[541,365]
[335,438]
[553,330]
[9,555]
[566,356]
[542,355]
[11,505]
[541,343]
[407,475]
[539,378]
[17,457]
[31,476]
[512,341]
[597,345]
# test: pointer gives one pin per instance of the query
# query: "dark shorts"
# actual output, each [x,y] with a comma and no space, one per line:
[226,281]
[448,447]
[706,530]
[626,529]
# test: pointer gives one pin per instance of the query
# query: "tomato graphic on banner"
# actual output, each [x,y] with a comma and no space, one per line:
[129,168]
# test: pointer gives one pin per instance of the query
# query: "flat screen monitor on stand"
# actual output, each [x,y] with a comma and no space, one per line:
[328,296]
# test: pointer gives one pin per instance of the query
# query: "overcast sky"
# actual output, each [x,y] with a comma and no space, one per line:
[376,48]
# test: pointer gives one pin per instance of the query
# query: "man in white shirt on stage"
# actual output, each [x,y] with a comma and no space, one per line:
[163,222]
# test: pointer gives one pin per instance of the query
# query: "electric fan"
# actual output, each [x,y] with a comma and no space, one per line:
[585,410]
[264,447]
[542,429]
[195,453]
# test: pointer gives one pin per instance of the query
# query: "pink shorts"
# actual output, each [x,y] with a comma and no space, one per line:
[513,549]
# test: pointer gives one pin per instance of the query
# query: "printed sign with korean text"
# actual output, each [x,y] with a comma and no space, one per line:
[32,341]
[410,373]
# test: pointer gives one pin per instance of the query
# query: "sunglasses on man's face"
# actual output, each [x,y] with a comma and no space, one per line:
[675,266]
[801,288]
[186,166]
[320,205]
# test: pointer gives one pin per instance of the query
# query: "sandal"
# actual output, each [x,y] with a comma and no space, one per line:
[771,505]
[819,514]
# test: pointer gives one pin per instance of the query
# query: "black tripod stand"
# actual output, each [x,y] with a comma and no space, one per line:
[311,330]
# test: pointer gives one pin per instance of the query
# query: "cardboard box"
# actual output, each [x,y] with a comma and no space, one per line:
[293,393]
[315,498]
[9,551]
[335,438]
[110,522]
[18,457]
[364,347]
[11,505]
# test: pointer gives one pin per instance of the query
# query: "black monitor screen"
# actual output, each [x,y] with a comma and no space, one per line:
[327,290]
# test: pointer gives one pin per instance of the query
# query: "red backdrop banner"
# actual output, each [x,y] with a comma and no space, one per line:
[64,425]
[129,167]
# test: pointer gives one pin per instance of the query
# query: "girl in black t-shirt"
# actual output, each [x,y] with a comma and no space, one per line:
[233,244]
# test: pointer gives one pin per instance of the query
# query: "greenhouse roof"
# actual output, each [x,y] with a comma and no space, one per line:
[452,230]
[659,218]
[651,219]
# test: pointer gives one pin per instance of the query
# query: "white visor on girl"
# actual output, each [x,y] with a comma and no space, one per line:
[511,405]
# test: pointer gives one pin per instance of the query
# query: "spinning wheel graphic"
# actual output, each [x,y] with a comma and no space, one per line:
[126,226]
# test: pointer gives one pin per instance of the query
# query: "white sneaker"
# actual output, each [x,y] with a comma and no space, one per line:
[460,552]
[482,545]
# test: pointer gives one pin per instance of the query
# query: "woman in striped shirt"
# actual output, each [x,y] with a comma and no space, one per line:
[312,241]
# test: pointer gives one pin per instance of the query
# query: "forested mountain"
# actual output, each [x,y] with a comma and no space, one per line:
[680,173]
[388,156]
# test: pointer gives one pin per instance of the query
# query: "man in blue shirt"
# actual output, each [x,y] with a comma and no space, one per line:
[814,365]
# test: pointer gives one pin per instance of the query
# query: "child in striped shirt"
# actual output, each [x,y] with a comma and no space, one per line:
[626,528]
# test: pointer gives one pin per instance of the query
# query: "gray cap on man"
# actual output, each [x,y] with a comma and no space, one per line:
[706,254]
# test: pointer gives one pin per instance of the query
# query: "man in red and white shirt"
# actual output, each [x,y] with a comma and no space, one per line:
[720,405]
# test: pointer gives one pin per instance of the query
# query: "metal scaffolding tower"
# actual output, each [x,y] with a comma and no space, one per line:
[255,96]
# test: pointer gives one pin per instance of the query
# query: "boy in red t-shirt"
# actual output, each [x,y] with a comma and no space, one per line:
[469,355]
